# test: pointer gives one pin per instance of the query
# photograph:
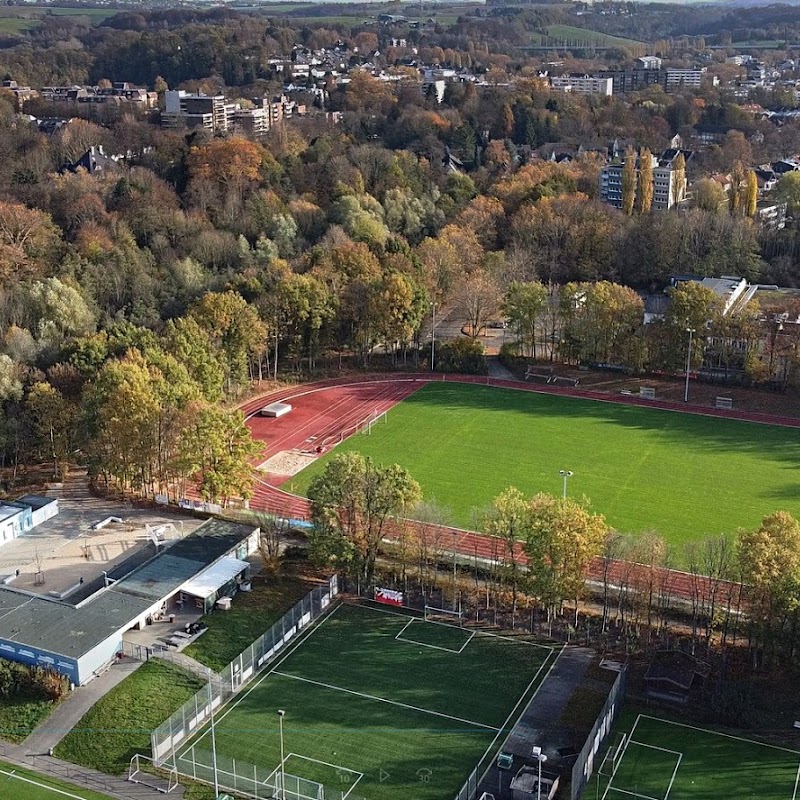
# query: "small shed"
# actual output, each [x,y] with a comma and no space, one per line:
[671,675]
[219,580]
[525,784]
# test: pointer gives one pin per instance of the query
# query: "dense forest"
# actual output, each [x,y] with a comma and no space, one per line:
[198,263]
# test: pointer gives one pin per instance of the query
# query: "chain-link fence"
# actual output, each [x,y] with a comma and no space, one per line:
[250,780]
[188,719]
[584,766]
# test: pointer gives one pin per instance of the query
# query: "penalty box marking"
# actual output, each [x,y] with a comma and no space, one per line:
[338,767]
[400,638]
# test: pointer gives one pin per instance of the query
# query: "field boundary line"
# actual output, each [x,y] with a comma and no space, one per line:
[549,647]
[674,773]
[514,710]
[656,747]
[621,758]
[14,776]
[635,794]
[337,767]
[399,637]
[463,646]
[719,733]
[796,782]
[300,639]
[384,700]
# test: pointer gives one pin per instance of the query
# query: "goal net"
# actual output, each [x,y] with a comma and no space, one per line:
[444,615]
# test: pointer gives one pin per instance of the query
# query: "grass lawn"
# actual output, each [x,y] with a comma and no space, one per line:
[683,475]
[379,702]
[18,24]
[662,758]
[251,614]
[20,715]
[579,37]
[17,783]
[119,725]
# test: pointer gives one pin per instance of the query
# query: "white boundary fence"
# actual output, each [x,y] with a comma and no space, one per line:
[188,719]
[259,783]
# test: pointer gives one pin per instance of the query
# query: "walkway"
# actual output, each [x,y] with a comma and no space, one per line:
[539,725]
[83,777]
[498,371]
[33,753]
[69,713]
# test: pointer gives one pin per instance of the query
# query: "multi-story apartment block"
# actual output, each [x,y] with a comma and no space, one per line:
[632,80]
[669,187]
[677,78]
[185,110]
[583,84]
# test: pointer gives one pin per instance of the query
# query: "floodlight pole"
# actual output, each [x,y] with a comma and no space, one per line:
[565,474]
[213,737]
[541,758]
[690,331]
[281,714]
[455,542]
[433,337]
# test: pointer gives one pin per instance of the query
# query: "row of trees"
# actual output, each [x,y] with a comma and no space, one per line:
[604,323]
[545,548]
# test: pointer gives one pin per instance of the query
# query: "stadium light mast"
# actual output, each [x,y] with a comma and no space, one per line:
[565,474]
[690,331]
[541,758]
[433,336]
[281,714]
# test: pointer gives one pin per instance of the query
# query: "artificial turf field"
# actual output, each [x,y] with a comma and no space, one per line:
[378,704]
[21,784]
[682,475]
[662,759]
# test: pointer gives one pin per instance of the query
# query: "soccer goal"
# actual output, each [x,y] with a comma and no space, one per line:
[372,419]
[445,616]
[613,755]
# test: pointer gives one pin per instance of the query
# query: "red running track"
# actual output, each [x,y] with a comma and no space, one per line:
[325,412]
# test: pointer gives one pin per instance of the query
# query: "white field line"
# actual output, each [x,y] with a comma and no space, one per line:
[514,710]
[796,783]
[719,733]
[472,636]
[656,747]
[13,776]
[384,700]
[477,633]
[634,794]
[288,651]
[672,779]
[325,764]
[621,758]
[400,638]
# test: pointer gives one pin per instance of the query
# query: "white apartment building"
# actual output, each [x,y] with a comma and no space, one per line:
[691,78]
[668,189]
[582,84]
[185,110]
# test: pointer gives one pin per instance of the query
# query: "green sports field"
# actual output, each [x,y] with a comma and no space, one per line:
[682,475]
[22,784]
[661,759]
[378,704]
